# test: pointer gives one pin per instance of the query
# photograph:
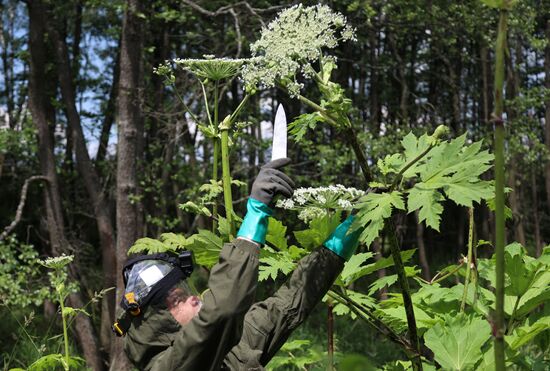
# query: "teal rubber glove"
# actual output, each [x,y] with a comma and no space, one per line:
[254,226]
[269,183]
[341,242]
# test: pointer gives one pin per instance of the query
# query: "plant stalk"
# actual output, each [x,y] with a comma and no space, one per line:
[226,175]
[406,292]
[330,335]
[65,335]
[216,147]
[499,190]
[362,312]
[470,262]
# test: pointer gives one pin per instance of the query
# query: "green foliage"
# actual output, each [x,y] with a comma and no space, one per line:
[280,259]
[374,208]
[500,4]
[298,354]
[319,230]
[307,121]
[55,362]
[457,342]
[20,281]
[438,169]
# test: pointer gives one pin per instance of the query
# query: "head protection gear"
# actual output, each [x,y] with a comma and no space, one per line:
[147,279]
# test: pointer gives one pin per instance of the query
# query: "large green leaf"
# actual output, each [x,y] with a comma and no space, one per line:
[452,168]
[363,300]
[520,269]
[353,266]
[206,247]
[271,266]
[276,234]
[524,334]
[457,341]
[319,230]
[299,127]
[429,203]
[374,208]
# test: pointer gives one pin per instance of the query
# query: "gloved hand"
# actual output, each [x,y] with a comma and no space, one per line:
[341,242]
[269,183]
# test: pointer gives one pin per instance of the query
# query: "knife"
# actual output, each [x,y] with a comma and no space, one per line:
[279,135]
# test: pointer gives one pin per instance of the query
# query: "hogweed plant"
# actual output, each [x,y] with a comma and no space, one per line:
[444,322]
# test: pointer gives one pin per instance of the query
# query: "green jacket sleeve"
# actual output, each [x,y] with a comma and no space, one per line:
[203,343]
[269,323]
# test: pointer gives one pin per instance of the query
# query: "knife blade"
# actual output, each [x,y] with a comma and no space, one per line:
[279,135]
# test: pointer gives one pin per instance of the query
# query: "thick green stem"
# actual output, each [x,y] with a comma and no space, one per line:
[499,190]
[216,147]
[226,175]
[65,335]
[470,262]
[406,293]
[215,160]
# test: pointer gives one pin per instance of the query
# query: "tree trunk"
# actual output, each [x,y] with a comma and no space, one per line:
[85,167]
[129,130]
[39,102]
[109,114]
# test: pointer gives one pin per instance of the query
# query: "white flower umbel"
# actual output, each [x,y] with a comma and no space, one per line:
[316,202]
[291,43]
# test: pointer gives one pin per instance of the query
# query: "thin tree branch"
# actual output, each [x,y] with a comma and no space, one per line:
[22,201]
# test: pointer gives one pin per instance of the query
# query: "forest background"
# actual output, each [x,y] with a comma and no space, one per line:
[96,151]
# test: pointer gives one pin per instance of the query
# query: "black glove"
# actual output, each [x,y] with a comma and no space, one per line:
[271,181]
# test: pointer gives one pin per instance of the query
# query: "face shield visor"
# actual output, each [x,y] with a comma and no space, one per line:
[148,278]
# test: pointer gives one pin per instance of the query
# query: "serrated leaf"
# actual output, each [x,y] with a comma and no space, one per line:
[206,247]
[176,241]
[387,281]
[428,202]
[380,264]
[224,228]
[390,164]
[365,301]
[271,266]
[413,147]
[455,169]
[276,234]
[299,127]
[520,270]
[374,208]
[524,334]
[148,245]
[353,266]
[319,230]
[457,341]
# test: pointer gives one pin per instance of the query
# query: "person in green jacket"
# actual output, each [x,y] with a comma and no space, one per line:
[227,330]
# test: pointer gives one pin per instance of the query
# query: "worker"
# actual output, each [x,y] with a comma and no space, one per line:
[172,329]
